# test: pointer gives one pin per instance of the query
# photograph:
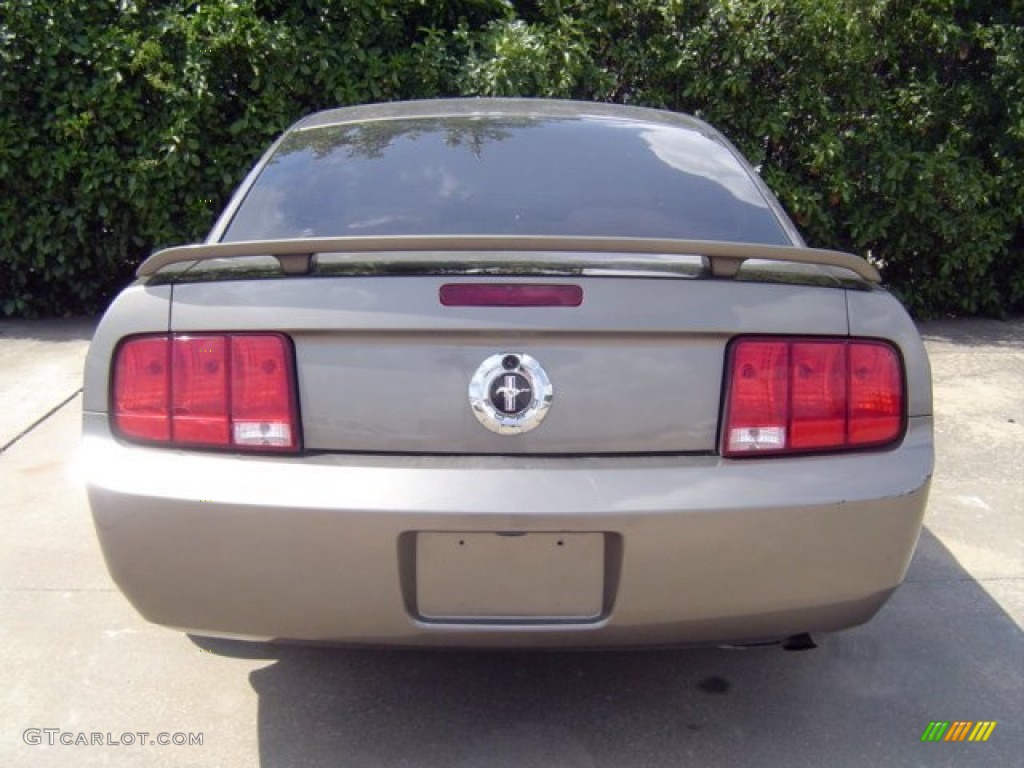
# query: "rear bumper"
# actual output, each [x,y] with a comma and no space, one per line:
[323,548]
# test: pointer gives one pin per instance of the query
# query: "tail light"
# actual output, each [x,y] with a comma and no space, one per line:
[232,391]
[786,395]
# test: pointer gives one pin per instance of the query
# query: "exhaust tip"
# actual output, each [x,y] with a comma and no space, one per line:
[801,642]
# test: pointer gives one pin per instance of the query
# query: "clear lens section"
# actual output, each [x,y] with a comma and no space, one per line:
[757,439]
[264,433]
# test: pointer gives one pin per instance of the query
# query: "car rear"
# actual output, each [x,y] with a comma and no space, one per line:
[430,429]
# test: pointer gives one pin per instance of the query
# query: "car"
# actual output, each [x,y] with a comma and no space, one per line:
[486,373]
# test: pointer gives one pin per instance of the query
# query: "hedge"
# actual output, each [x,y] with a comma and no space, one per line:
[890,128]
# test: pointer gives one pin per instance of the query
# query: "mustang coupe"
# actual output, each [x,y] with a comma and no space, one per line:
[506,373]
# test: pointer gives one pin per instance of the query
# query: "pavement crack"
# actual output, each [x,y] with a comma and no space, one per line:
[40,420]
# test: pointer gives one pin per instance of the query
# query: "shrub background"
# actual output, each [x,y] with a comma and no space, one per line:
[893,128]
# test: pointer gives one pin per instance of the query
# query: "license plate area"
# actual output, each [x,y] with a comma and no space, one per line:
[510,577]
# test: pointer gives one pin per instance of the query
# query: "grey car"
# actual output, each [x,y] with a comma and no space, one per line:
[506,373]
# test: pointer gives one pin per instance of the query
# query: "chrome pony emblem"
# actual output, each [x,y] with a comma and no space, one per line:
[510,393]
[513,396]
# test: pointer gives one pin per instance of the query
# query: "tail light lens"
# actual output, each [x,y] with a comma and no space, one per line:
[786,395]
[214,390]
[142,389]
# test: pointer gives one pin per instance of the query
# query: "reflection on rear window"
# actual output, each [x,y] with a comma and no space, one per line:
[497,175]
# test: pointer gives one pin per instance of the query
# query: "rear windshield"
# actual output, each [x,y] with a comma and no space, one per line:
[495,175]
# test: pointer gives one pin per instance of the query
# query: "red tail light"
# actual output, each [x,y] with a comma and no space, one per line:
[800,395]
[199,410]
[213,390]
[142,388]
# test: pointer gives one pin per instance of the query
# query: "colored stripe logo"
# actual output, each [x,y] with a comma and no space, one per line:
[958,730]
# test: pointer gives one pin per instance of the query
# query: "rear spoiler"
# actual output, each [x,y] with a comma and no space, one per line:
[295,256]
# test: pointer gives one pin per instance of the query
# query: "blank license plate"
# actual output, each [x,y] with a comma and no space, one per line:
[504,577]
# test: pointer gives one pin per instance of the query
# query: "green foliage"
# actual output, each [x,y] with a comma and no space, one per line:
[891,128]
[126,124]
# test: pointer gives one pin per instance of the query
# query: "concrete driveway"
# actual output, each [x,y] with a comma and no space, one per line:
[947,647]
